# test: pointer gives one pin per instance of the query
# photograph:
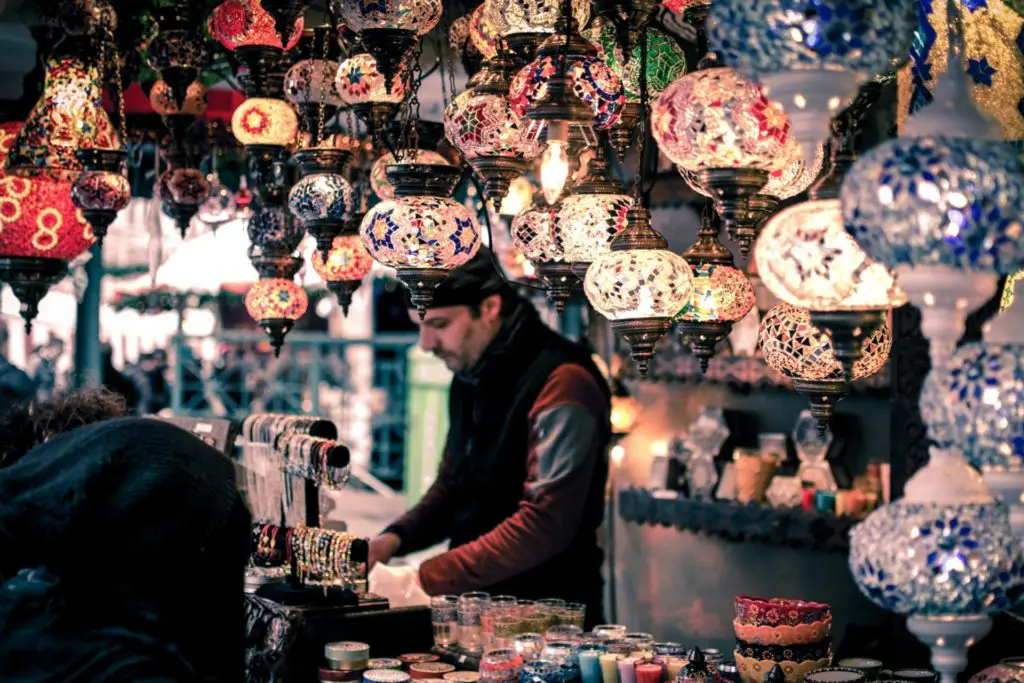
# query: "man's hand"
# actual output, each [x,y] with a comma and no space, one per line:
[383,548]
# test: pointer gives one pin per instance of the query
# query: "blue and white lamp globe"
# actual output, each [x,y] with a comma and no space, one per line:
[942,206]
[976,403]
[944,555]
[322,199]
[812,56]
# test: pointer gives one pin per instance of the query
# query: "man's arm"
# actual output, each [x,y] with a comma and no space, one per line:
[427,523]
[565,445]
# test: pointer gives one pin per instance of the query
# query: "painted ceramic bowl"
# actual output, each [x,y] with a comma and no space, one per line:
[801,634]
[780,653]
[754,670]
[779,611]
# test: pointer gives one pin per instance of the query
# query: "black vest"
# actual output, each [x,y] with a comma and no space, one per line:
[488,439]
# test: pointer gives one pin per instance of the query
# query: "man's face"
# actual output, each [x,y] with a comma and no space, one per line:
[458,335]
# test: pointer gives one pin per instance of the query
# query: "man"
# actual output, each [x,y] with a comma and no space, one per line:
[520,491]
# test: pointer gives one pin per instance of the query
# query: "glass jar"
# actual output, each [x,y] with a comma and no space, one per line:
[641,642]
[444,618]
[667,649]
[573,613]
[497,606]
[530,646]
[502,665]
[610,631]
[564,653]
[541,671]
[506,628]
[471,606]
[566,632]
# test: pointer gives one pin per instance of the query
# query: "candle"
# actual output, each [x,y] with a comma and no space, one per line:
[648,673]
[609,668]
[626,670]
[675,665]
[590,666]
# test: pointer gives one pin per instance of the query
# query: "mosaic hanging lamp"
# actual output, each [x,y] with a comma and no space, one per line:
[806,258]
[374,100]
[811,58]
[492,138]
[41,230]
[796,349]
[422,232]
[525,24]
[177,51]
[533,233]
[239,24]
[322,199]
[721,131]
[68,117]
[721,294]
[916,205]
[275,303]
[311,83]
[162,102]
[347,264]
[389,30]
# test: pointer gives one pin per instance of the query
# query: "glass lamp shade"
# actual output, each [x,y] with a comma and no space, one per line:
[163,103]
[795,175]
[411,15]
[586,224]
[795,348]
[806,258]
[592,81]
[944,549]
[37,216]
[272,228]
[220,207]
[975,404]
[483,33]
[482,124]
[68,117]
[720,293]
[533,234]
[713,119]
[101,191]
[932,201]
[360,82]
[321,196]
[308,79]
[812,58]
[265,121]
[666,61]
[421,232]
[638,283]
[379,182]
[186,186]
[276,299]
[348,260]
[244,23]
[534,16]
[458,33]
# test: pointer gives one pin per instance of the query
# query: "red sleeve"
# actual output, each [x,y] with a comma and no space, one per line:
[427,523]
[566,423]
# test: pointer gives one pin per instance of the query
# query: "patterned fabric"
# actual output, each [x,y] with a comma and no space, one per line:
[271,632]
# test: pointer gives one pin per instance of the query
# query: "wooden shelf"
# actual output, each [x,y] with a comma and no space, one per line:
[731,520]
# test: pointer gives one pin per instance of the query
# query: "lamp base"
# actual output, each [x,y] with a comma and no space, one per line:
[274,264]
[524,46]
[732,190]
[949,638]
[376,116]
[324,230]
[621,135]
[703,338]
[642,334]
[276,329]
[848,330]
[343,290]
[421,283]
[498,174]
[391,47]
[560,281]
[100,220]
[30,278]
[181,213]
[424,180]
[178,79]
[744,233]
[823,395]
[1007,484]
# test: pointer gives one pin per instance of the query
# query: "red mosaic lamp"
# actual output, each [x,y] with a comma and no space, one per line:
[246,23]
[40,230]
[275,303]
[346,265]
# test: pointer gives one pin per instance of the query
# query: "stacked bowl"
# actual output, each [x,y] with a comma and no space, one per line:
[794,634]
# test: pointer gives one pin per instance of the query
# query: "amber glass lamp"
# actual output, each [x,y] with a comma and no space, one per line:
[344,268]
[275,304]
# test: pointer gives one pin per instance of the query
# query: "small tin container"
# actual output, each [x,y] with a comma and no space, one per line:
[418,658]
[385,676]
[336,676]
[347,655]
[426,670]
[462,676]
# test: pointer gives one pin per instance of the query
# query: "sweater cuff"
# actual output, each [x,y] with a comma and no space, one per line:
[397,530]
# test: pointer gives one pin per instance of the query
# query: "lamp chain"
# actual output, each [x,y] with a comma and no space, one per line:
[438,46]
[955,30]
[445,59]
[414,102]
[324,85]
[642,134]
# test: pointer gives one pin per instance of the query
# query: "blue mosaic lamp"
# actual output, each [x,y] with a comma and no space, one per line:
[941,205]
[944,555]
[812,55]
[976,403]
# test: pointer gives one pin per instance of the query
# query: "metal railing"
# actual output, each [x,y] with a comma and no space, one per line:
[360,384]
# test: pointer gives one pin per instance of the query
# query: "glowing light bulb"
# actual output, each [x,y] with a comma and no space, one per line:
[554,170]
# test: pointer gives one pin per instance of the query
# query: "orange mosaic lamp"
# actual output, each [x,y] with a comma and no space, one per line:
[275,304]
[40,231]
[246,23]
[346,265]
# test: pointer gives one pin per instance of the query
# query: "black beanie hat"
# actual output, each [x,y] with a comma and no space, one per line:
[470,283]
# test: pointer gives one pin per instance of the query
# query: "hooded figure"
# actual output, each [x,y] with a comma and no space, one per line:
[122,552]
